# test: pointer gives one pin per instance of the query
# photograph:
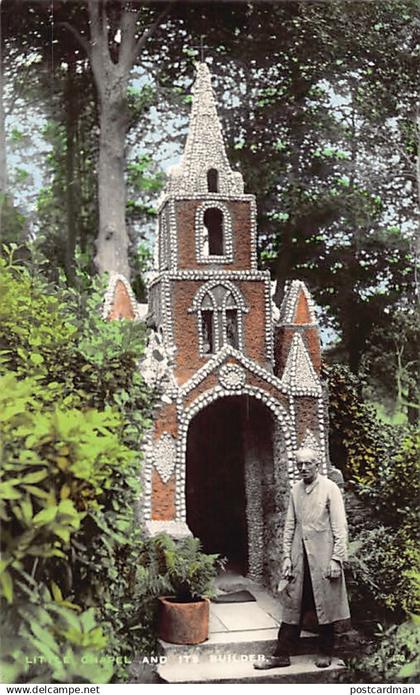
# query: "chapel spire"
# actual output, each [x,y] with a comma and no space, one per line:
[204,167]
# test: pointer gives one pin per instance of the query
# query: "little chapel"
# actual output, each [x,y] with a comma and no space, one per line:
[237,378]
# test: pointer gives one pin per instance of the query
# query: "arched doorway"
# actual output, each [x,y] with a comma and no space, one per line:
[230,477]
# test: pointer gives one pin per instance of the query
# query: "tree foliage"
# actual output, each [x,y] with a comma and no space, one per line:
[358,441]
[390,366]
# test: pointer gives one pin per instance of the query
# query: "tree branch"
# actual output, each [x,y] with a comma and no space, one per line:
[100,57]
[79,38]
[19,91]
[128,34]
[140,43]
[105,30]
[95,33]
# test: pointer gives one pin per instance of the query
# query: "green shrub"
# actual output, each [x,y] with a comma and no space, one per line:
[73,410]
[384,564]
[358,441]
[394,487]
[37,327]
[381,464]
[395,657]
[58,466]
[45,639]
[62,525]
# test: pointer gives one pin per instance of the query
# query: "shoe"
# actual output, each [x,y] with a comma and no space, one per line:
[272,662]
[323,661]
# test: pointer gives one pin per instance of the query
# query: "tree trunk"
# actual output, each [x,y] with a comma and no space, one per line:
[284,264]
[111,71]
[112,241]
[3,165]
[417,239]
[71,184]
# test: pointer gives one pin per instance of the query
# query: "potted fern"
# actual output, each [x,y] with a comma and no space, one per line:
[188,573]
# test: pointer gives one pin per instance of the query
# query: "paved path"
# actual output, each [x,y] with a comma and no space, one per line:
[239,634]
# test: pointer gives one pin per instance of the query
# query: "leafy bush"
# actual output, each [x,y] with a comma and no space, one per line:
[57,335]
[386,560]
[73,411]
[45,639]
[395,485]
[381,464]
[395,657]
[384,564]
[358,441]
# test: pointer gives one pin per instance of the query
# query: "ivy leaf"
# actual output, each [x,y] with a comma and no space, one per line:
[56,592]
[8,492]
[36,358]
[35,477]
[7,586]
[36,491]
[45,516]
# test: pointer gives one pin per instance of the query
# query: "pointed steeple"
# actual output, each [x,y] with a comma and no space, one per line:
[204,167]
[297,307]
[299,376]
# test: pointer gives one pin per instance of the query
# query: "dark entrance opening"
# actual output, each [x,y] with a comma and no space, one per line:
[215,481]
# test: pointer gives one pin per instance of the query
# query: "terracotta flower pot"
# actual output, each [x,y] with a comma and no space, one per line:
[183,623]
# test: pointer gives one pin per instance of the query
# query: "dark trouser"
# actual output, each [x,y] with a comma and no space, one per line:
[288,635]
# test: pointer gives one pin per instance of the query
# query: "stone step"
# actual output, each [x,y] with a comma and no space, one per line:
[257,642]
[230,668]
[235,643]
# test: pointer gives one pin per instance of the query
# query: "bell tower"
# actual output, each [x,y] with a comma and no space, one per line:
[208,280]
[220,353]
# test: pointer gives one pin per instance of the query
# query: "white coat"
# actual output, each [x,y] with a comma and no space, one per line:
[316,518]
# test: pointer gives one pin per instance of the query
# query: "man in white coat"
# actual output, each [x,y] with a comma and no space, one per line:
[314,548]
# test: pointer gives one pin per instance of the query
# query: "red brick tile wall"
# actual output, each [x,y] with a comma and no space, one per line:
[165,421]
[302,315]
[122,307]
[163,498]
[211,381]
[313,345]
[306,416]
[283,337]
[188,360]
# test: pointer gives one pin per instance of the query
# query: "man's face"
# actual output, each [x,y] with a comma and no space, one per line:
[307,468]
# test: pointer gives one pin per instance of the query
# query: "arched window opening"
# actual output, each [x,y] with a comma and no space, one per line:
[232,328]
[213,221]
[220,311]
[231,314]
[213,233]
[213,181]
[207,327]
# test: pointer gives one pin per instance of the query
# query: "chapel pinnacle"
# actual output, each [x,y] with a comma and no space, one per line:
[205,149]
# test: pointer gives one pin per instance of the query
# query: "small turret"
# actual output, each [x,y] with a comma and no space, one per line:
[297,330]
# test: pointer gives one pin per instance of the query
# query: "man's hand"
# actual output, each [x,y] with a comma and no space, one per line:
[287,569]
[334,570]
